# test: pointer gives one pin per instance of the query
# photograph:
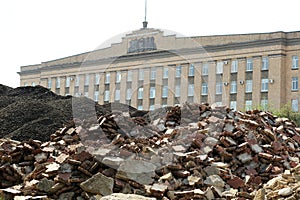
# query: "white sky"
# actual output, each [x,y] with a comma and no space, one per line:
[34,31]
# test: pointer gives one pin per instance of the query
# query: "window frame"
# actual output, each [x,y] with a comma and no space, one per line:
[140,93]
[219,88]
[107,78]
[233,87]
[57,83]
[264,85]
[118,77]
[152,92]
[191,90]
[265,63]
[249,65]
[191,70]
[106,95]
[219,67]
[86,79]
[97,79]
[204,69]
[165,72]
[248,85]
[165,89]
[231,106]
[295,62]
[128,93]
[153,73]
[178,71]
[117,95]
[141,75]
[204,88]
[295,105]
[129,75]
[234,66]
[295,84]
[177,91]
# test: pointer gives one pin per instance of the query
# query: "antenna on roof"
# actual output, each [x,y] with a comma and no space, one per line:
[145,23]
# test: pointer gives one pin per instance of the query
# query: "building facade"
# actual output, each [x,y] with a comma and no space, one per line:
[149,69]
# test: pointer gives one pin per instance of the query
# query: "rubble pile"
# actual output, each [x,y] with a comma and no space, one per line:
[284,186]
[189,152]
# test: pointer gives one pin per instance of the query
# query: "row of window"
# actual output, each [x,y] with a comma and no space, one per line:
[248,104]
[191,87]
[178,70]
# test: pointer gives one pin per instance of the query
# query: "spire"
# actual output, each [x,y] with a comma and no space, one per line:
[145,23]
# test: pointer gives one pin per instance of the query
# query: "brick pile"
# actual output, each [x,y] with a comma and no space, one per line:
[190,152]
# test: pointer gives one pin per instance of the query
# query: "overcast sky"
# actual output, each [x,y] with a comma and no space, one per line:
[34,31]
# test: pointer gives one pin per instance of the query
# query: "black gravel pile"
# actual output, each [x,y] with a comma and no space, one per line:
[36,112]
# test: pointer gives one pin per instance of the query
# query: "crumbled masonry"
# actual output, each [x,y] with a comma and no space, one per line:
[196,151]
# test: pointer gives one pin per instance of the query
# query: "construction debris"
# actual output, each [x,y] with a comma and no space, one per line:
[195,151]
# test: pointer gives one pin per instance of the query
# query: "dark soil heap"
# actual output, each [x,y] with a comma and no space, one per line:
[36,112]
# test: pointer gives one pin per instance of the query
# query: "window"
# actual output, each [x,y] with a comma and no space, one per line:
[87,79]
[265,63]
[249,66]
[191,70]
[97,79]
[117,95]
[57,82]
[264,85]
[140,107]
[68,81]
[295,105]
[233,87]
[191,88]
[219,88]
[204,88]
[140,93]
[205,69]
[33,84]
[77,81]
[141,74]
[118,77]
[248,105]
[234,66]
[264,104]
[295,62]
[25,84]
[153,74]
[96,96]
[49,83]
[129,76]
[178,71]
[106,95]
[107,78]
[219,69]
[177,90]
[294,83]
[86,94]
[165,91]
[128,94]
[152,92]
[233,105]
[166,72]
[248,86]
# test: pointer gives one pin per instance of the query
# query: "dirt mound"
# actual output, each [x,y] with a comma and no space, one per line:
[36,112]
[4,89]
